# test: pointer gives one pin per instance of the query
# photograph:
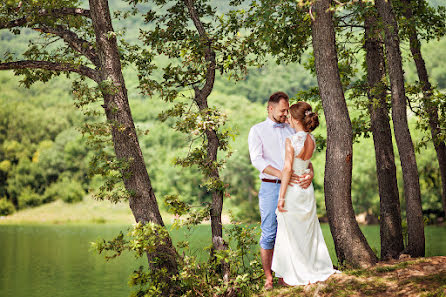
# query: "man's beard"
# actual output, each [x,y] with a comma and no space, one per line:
[279,120]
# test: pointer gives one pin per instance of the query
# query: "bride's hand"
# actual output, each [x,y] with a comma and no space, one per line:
[281,205]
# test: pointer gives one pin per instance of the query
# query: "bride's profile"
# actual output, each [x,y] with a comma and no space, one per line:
[300,253]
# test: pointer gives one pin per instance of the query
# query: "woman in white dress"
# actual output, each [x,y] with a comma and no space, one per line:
[300,253]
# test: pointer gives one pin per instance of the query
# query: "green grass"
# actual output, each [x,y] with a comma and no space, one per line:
[89,211]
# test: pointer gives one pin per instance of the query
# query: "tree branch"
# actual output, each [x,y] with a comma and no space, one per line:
[46,65]
[72,39]
[350,26]
[66,11]
[196,19]
[209,53]
[45,12]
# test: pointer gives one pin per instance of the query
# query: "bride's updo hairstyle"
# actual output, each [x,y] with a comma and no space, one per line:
[303,112]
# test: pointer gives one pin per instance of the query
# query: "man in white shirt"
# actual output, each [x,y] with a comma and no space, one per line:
[267,150]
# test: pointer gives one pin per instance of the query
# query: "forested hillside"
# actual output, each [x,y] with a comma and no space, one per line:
[43,155]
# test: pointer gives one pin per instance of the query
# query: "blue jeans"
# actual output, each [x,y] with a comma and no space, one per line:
[268,198]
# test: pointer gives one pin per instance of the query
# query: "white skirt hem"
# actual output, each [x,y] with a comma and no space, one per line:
[314,279]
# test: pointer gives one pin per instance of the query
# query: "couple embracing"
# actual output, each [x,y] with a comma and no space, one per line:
[291,244]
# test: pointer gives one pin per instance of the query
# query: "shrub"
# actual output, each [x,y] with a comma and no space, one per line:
[195,277]
[6,207]
[69,191]
[29,198]
[26,178]
[52,192]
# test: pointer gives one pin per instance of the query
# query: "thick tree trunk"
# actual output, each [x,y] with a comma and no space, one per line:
[390,216]
[350,244]
[415,226]
[429,107]
[136,179]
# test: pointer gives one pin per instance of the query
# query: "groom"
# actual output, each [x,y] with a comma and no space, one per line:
[266,142]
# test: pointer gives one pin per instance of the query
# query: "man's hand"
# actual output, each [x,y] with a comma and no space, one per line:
[294,179]
[305,180]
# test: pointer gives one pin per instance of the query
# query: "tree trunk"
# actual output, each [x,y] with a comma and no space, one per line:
[415,226]
[136,179]
[201,99]
[390,215]
[217,195]
[429,107]
[218,243]
[350,244]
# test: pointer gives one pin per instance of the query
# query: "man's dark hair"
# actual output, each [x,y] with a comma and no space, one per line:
[277,96]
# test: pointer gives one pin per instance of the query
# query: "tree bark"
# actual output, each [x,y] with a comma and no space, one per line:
[108,74]
[429,107]
[390,215]
[415,226]
[136,179]
[350,244]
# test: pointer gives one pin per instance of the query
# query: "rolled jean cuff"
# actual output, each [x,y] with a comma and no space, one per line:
[267,245]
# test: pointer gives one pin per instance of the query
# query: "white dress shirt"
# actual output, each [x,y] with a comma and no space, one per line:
[267,146]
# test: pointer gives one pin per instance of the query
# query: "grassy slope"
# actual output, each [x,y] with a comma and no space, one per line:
[85,212]
[414,277]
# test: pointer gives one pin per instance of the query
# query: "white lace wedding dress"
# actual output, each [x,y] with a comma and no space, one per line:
[300,253]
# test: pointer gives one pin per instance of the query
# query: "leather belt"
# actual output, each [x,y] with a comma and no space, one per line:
[275,181]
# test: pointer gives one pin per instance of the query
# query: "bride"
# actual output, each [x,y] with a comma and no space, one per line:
[300,254]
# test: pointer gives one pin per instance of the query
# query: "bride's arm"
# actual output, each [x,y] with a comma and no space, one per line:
[286,174]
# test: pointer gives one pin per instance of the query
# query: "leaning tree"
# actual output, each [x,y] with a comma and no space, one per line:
[73,40]
[351,245]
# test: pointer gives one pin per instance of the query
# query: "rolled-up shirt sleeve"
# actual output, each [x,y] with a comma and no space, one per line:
[256,150]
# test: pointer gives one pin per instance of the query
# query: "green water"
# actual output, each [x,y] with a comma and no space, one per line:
[42,261]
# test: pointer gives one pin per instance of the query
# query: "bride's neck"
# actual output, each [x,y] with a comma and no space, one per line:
[298,127]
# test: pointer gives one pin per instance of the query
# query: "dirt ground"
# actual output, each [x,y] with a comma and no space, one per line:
[405,277]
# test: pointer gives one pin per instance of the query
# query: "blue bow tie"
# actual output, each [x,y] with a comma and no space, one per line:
[278,125]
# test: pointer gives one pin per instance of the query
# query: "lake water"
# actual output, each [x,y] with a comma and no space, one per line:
[56,260]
